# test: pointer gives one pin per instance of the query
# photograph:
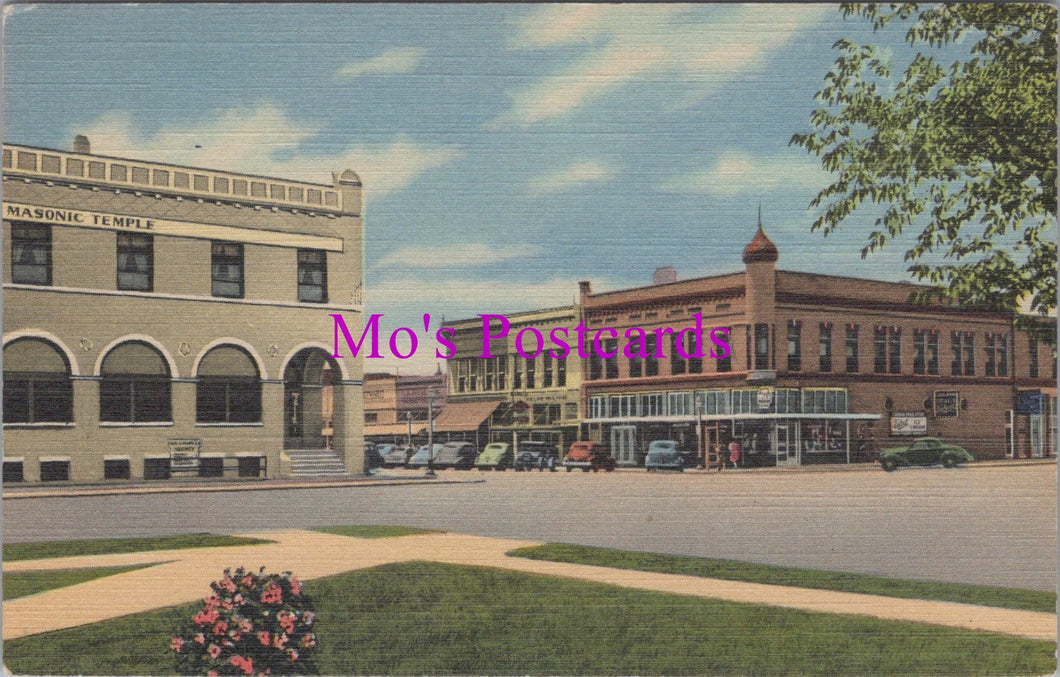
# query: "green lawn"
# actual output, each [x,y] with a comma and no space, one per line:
[428,618]
[375,531]
[22,583]
[1009,598]
[108,546]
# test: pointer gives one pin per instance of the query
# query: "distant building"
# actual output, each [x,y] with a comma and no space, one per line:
[166,321]
[509,398]
[396,407]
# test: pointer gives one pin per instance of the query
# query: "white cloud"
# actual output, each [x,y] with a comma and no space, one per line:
[739,173]
[703,45]
[467,255]
[575,175]
[265,140]
[392,61]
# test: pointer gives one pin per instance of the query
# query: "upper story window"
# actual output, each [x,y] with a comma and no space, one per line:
[610,347]
[925,352]
[852,348]
[794,345]
[37,386]
[826,346]
[962,344]
[879,345]
[724,364]
[312,276]
[761,346]
[996,355]
[136,262]
[678,364]
[561,371]
[226,270]
[894,351]
[651,362]
[31,253]
[546,369]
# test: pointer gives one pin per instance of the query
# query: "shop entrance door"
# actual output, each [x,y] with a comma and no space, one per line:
[1036,435]
[785,444]
[623,441]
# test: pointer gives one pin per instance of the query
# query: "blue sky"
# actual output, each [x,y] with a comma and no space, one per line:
[507,151]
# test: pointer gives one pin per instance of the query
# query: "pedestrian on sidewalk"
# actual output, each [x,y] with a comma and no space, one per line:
[734,452]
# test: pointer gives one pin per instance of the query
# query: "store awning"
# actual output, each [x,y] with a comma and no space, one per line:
[463,416]
[393,429]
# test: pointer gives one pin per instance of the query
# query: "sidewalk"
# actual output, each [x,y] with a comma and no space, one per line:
[183,576]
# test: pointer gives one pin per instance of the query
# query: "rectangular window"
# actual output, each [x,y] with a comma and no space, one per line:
[879,344]
[116,469]
[794,345]
[531,372]
[963,346]
[36,397]
[227,270]
[561,372]
[611,363]
[212,467]
[54,471]
[502,369]
[678,364]
[1032,363]
[1002,355]
[651,362]
[852,348]
[517,373]
[919,351]
[680,404]
[695,364]
[933,353]
[761,346]
[312,276]
[136,262]
[596,366]
[31,253]
[546,364]
[894,351]
[636,367]
[598,407]
[651,404]
[990,368]
[13,471]
[249,466]
[724,364]
[826,346]
[156,468]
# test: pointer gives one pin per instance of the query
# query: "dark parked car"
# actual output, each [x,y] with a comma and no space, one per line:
[664,455]
[372,458]
[925,451]
[588,456]
[533,454]
[459,455]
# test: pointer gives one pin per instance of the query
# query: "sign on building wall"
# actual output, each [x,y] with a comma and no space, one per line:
[909,423]
[1029,402]
[184,453]
[946,403]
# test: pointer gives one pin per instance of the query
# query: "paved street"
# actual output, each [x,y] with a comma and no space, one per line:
[986,525]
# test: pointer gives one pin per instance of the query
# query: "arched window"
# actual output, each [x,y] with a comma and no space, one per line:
[37,386]
[134,386]
[229,388]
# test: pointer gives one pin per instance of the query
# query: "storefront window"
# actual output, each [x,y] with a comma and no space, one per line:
[651,404]
[680,404]
[715,402]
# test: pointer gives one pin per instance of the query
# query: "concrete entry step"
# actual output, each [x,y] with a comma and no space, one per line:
[316,463]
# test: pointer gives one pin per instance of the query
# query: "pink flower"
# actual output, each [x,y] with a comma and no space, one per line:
[176,644]
[214,651]
[239,600]
[308,617]
[200,638]
[245,625]
[272,594]
[308,641]
[264,638]
[293,654]
[248,580]
[211,673]
[279,640]
[286,619]
[228,584]
[244,663]
[296,587]
[220,628]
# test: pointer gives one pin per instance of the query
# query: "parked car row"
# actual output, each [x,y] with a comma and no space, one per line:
[661,455]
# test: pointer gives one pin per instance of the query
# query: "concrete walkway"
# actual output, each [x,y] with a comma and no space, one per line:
[182,576]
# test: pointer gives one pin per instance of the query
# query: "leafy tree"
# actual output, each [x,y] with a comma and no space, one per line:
[966,149]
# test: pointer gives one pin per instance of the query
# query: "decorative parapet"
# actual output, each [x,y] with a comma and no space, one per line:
[54,165]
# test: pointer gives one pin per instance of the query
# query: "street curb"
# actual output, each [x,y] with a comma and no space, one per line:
[206,488]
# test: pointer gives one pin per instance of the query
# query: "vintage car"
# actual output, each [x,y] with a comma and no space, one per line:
[665,455]
[588,456]
[535,454]
[496,456]
[420,458]
[394,455]
[459,455]
[925,451]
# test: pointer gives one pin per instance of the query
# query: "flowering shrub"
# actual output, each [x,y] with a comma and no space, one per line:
[252,624]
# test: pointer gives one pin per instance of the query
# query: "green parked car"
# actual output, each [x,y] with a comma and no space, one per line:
[496,456]
[925,451]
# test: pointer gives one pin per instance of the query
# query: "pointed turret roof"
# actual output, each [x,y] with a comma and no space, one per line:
[760,249]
